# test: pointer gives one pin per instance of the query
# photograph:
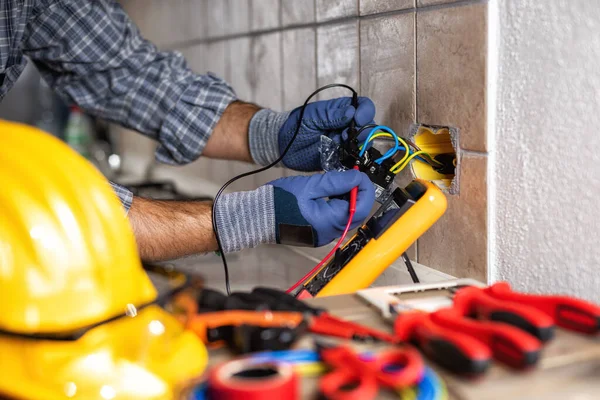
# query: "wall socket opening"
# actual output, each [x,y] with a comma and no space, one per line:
[441,143]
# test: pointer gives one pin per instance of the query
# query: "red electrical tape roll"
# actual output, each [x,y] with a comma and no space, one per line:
[248,380]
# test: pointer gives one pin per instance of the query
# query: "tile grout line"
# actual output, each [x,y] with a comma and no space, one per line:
[416,109]
[335,21]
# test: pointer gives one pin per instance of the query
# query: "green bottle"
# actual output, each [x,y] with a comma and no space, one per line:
[78,132]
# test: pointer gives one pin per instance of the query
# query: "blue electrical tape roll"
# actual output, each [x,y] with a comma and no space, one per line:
[289,356]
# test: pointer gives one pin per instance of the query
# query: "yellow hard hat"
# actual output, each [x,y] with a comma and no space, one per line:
[68,264]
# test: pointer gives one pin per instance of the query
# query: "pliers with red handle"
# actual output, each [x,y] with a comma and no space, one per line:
[567,312]
[464,345]
[494,321]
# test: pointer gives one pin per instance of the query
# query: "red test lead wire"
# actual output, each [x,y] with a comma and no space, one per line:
[351,211]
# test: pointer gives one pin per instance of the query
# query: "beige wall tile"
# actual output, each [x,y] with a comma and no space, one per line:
[297,12]
[388,69]
[378,6]
[388,75]
[338,57]
[215,17]
[198,16]
[267,85]
[332,9]
[237,16]
[457,243]
[240,67]
[266,70]
[216,59]
[451,70]
[299,66]
[264,14]
[422,3]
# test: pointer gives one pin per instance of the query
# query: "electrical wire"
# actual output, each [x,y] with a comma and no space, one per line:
[362,129]
[390,153]
[428,159]
[256,171]
[351,212]
[404,142]
[326,258]
[399,166]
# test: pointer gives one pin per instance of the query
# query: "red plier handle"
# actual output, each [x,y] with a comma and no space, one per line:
[398,368]
[567,312]
[476,302]
[508,344]
[452,349]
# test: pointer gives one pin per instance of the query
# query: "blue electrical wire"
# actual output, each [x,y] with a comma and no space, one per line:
[390,152]
[417,157]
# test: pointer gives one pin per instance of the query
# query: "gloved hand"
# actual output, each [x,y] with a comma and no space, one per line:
[300,210]
[270,131]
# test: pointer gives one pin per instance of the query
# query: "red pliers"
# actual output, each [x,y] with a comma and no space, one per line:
[356,377]
[494,321]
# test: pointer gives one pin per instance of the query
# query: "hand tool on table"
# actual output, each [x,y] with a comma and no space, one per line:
[355,376]
[508,324]
[447,336]
[321,321]
[243,329]
[264,319]
[567,312]
[535,314]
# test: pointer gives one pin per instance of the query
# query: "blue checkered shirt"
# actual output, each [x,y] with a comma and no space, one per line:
[93,55]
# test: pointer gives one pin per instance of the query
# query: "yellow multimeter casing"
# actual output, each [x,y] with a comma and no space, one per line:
[387,246]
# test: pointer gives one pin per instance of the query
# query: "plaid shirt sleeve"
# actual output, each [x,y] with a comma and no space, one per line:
[124,194]
[93,55]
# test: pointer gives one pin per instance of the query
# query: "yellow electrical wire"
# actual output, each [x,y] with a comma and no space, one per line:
[401,140]
[400,165]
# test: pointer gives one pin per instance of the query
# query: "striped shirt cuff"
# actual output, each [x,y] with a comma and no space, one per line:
[188,126]
[246,219]
[124,194]
[263,135]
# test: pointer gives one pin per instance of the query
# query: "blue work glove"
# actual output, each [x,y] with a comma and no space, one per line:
[300,210]
[270,131]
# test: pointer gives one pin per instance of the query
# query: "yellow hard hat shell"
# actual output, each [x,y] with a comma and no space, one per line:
[68,257]
[148,357]
[68,260]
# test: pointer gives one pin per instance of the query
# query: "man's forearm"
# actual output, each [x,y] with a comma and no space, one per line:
[229,139]
[166,230]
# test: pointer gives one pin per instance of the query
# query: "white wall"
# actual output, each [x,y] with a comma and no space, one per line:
[545,191]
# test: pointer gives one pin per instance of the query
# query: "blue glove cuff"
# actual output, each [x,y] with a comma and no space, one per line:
[290,226]
[263,135]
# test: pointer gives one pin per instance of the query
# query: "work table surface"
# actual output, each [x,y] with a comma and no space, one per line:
[569,367]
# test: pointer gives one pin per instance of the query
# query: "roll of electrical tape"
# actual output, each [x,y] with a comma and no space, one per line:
[246,379]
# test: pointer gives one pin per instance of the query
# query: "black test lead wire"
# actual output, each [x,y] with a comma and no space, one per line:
[256,171]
